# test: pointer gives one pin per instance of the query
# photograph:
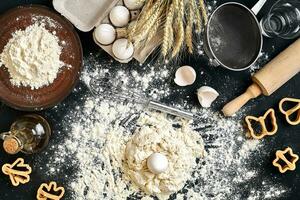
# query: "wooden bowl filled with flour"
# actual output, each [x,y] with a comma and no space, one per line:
[40,57]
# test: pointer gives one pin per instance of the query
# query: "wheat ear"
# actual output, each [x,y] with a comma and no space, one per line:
[203,11]
[189,29]
[153,31]
[145,11]
[168,26]
[180,31]
[197,15]
[149,24]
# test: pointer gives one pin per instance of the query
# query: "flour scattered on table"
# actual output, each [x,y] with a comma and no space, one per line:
[32,57]
[261,61]
[94,138]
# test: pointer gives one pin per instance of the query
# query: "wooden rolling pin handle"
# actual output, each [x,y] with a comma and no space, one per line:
[233,106]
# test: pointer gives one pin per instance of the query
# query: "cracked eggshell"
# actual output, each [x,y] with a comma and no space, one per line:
[185,75]
[206,95]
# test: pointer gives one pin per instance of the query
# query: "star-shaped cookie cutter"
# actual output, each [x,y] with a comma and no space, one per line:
[261,120]
[44,191]
[290,164]
[17,176]
[290,111]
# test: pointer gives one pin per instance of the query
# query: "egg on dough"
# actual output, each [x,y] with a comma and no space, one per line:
[105,34]
[119,16]
[157,163]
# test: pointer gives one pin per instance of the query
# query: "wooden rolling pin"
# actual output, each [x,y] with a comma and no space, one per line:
[271,77]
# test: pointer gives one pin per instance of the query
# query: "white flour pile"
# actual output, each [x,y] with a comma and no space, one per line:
[31,57]
[93,139]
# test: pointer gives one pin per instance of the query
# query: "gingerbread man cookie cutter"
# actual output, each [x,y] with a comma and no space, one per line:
[289,164]
[291,111]
[262,121]
[50,191]
[15,173]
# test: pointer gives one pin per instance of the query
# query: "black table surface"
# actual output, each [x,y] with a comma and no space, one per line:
[288,135]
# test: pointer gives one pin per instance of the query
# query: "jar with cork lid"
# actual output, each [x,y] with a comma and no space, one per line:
[29,134]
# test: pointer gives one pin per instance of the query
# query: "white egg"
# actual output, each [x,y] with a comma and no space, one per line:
[119,16]
[185,75]
[122,49]
[206,96]
[157,163]
[105,34]
[133,4]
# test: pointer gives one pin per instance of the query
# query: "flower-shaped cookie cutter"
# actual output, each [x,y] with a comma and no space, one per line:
[50,191]
[262,121]
[18,172]
[289,164]
[291,111]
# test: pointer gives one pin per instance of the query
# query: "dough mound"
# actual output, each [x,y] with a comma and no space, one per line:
[180,145]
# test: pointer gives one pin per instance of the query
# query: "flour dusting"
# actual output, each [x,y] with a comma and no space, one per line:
[94,138]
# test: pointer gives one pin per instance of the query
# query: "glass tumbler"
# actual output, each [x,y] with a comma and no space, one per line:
[283,20]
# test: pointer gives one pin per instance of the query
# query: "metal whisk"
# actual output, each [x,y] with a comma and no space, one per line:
[108,90]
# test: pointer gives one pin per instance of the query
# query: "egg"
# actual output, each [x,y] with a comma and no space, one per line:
[119,16]
[133,4]
[105,34]
[157,163]
[122,49]
[185,75]
[206,96]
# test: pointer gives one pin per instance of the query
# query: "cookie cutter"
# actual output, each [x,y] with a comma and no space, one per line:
[44,191]
[261,120]
[17,176]
[292,110]
[290,164]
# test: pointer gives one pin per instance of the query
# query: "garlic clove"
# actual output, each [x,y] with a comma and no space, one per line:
[185,75]
[122,49]
[105,34]
[119,16]
[206,96]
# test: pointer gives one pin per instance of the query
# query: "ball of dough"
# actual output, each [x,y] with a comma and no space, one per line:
[122,49]
[157,163]
[105,34]
[133,4]
[119,16]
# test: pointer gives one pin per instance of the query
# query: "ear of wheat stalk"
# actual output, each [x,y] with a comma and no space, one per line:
[177,18]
